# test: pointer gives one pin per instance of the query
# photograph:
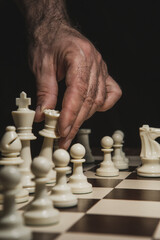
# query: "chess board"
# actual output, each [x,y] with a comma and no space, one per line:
[123,207]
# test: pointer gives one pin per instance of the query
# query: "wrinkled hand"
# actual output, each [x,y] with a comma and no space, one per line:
[67,54]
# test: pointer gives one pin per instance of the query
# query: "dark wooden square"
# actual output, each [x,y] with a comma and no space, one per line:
[110,183]
[134,194]
[134,175]
[44,236]
[83,205]
[136,226]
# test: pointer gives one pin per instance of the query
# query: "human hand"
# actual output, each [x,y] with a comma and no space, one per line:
[89,88]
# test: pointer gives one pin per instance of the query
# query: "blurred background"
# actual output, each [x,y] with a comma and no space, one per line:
[127,35]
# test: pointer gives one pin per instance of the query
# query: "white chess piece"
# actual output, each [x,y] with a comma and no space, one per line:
[61,193]
[150,152]
[122,152]
[41,210]
[50,133]
[23,119]
[56,147]
[78,181]
[118,159]
[83,138]
[107,168]
[10,147]
[11,222]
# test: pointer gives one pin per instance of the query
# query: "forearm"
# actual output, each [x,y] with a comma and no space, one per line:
[43,17]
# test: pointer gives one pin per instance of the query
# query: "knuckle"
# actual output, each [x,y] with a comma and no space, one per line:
[92,92]
[99,102]
[76,59]
[89,100]
[118,92]
[87,48]
[43,91]
[82,89]
[99,57]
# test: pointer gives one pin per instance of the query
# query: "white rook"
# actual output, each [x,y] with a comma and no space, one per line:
[49,133]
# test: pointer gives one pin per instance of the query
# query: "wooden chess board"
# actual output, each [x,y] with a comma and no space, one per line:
[123,207]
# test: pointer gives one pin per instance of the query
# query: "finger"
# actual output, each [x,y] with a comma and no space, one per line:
[85,109]
[82,116]
[64,143]
[113,94]
[101,91]
[47,88]
[75,94]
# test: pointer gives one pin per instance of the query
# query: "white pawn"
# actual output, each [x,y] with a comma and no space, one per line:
[118,159]
[122,152]
[78,181]
[107,168]
[61,193]
[11,222]
[41,210]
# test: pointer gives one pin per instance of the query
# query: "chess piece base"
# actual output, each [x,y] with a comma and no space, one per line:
[121,165]
[107,172]
[62,197]
[14,161]
[41,218]
[126,160]
[69,201]
[80,186]
[22,196]
[15,234]
[150,168]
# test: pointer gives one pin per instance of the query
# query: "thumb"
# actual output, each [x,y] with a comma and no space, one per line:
[47,91]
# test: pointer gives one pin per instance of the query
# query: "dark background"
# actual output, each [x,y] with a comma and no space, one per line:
[127,35]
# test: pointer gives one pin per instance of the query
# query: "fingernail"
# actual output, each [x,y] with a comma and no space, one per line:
[66,131]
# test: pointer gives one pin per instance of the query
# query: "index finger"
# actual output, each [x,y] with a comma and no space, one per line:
[75,94]
[113,94]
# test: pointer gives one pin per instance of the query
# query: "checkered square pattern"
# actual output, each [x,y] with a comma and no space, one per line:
[124,207]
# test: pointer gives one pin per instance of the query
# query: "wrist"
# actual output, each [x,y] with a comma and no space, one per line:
[43,18]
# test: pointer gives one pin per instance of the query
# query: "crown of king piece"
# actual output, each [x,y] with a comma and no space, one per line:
[23,101]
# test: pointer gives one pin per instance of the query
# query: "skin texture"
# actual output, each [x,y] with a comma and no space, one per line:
[58,51]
